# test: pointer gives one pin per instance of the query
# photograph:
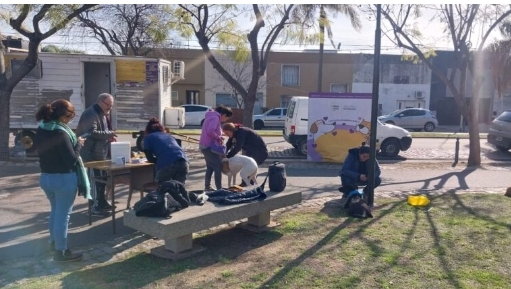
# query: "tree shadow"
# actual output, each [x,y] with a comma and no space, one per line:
[442,180]
[144,269]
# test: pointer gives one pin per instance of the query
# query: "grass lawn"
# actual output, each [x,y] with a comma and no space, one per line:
[459,241]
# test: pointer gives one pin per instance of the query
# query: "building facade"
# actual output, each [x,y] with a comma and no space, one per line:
[296,74]
[219,92]
[403,84]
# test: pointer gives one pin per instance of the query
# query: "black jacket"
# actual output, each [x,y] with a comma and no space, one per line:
[170,196]
[248,140]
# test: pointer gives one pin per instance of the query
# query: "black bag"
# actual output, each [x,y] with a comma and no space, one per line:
[276,177]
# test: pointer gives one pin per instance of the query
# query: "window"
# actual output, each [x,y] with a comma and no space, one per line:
[284,100]
[36,72]
[401,79]
[226,99]
[175,95]
[275,112]
[337,87]
[290,75]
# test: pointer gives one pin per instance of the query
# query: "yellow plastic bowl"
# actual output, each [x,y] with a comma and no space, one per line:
[418,200]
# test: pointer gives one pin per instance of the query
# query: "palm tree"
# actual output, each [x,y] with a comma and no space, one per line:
[305,14]
[499,56]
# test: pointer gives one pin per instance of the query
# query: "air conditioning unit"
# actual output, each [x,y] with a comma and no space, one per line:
[419,94]
[178,69]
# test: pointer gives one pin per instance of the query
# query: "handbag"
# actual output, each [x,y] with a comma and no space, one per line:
[217,148]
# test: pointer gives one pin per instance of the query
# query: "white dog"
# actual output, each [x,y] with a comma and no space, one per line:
[246,166]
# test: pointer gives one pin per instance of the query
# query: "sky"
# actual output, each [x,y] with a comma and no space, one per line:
[351,40]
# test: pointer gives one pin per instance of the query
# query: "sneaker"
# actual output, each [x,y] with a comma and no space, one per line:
[66,256]
[99,213]
[209,188]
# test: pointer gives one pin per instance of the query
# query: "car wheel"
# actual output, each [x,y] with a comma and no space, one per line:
[502,149]
[302,146]
[390,147]
[429,127]
[390,122]
[258,124]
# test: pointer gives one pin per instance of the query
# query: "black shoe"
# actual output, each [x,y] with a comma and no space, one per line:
[99,213]
[52,247]
[107,207]
[66,256]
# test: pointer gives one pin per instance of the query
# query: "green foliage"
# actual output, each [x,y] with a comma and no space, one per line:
[414,58]
[56,49]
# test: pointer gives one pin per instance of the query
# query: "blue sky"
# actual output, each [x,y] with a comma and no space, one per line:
[351,40]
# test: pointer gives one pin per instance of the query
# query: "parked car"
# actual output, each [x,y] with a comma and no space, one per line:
[274,117]
[412,118]
[499,133]
[195,113]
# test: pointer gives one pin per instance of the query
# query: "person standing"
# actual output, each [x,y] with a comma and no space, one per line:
[163,149]
[61,171]
[355,171]
[212,132]
[93,122]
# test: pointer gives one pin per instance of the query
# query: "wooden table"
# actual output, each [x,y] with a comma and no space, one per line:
[138,174]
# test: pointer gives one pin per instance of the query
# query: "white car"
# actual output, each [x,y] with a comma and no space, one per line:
[195,113]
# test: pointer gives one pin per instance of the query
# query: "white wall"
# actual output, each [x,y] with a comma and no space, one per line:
[390,94]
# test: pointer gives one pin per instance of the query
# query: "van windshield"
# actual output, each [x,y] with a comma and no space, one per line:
[291,109]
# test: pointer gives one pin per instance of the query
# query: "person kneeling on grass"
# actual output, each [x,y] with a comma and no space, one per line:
[355,171]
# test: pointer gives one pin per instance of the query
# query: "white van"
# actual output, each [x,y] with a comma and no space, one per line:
[390,139]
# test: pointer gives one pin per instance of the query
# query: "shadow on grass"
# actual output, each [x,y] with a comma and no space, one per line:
[143,269]
[442,180]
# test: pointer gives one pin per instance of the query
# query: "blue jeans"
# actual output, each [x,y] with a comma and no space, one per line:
[213,165]
[60,189]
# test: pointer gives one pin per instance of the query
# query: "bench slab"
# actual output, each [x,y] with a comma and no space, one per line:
[178,229]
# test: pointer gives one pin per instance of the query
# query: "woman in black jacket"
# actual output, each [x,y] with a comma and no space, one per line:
[244,138]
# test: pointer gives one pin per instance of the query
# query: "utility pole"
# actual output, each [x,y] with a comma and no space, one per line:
[374,105]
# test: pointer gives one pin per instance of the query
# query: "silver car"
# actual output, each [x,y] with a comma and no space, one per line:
[274,117]
[499,133]
[412,118]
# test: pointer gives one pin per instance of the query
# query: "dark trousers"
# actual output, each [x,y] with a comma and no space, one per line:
[98,191]
[177,171]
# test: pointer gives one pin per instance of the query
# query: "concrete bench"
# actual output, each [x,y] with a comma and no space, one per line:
[178,229]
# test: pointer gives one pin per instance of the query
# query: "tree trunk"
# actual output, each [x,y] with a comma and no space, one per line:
[5,99]
[249,102]
[474,156]
[322,18]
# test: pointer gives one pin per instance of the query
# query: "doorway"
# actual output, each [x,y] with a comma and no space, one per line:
[96,80]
